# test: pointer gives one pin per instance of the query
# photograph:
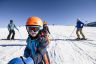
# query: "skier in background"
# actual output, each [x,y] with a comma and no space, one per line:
[11,30]
[45,31]
[79,26]
[45,28]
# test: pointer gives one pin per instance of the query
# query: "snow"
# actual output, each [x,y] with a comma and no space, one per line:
[61,51]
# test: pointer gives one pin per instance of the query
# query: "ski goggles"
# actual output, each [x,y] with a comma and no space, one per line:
[33,28]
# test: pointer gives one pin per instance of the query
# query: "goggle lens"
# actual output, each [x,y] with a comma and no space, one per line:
[35,29]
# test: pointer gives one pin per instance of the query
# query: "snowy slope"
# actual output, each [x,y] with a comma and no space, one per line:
[61,51]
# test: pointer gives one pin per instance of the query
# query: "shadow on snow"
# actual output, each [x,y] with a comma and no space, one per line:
[4,45]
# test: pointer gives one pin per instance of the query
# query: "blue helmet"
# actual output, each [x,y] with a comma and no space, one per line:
[20,60]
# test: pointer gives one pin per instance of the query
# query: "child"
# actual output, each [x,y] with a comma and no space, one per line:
[36,44]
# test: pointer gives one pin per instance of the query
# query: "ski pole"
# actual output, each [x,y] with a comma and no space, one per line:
[20,34]
[22,59]
[71,32]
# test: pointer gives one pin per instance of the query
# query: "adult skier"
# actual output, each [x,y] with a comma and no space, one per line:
[45,28]
[11,30]
[79,26]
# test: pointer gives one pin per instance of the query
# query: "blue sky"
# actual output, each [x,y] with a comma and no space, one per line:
[64,12]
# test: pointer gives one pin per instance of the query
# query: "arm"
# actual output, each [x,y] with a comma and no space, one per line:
[48,30]
[43,46]
[27,52]
[76,24]
[82,24]
[16,27]
[41,50]
[8,27]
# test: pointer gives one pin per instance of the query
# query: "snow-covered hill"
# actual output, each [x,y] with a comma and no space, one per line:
[61,50]
[92,24]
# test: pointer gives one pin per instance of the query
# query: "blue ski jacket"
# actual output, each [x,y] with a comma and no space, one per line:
[79,24]
[36,47]
[11,26]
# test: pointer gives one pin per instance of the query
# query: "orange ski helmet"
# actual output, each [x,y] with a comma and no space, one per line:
[34,21]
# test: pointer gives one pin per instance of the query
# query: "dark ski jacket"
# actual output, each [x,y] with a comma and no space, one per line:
[79,24]
[45,29]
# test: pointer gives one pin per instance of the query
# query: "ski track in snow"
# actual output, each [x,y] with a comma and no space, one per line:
[61,51]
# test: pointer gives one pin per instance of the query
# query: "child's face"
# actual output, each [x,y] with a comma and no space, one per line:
[33,34]
[33,30]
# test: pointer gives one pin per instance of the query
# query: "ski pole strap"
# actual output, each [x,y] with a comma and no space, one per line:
[22,59]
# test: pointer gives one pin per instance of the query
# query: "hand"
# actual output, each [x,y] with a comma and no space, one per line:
[17,29]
